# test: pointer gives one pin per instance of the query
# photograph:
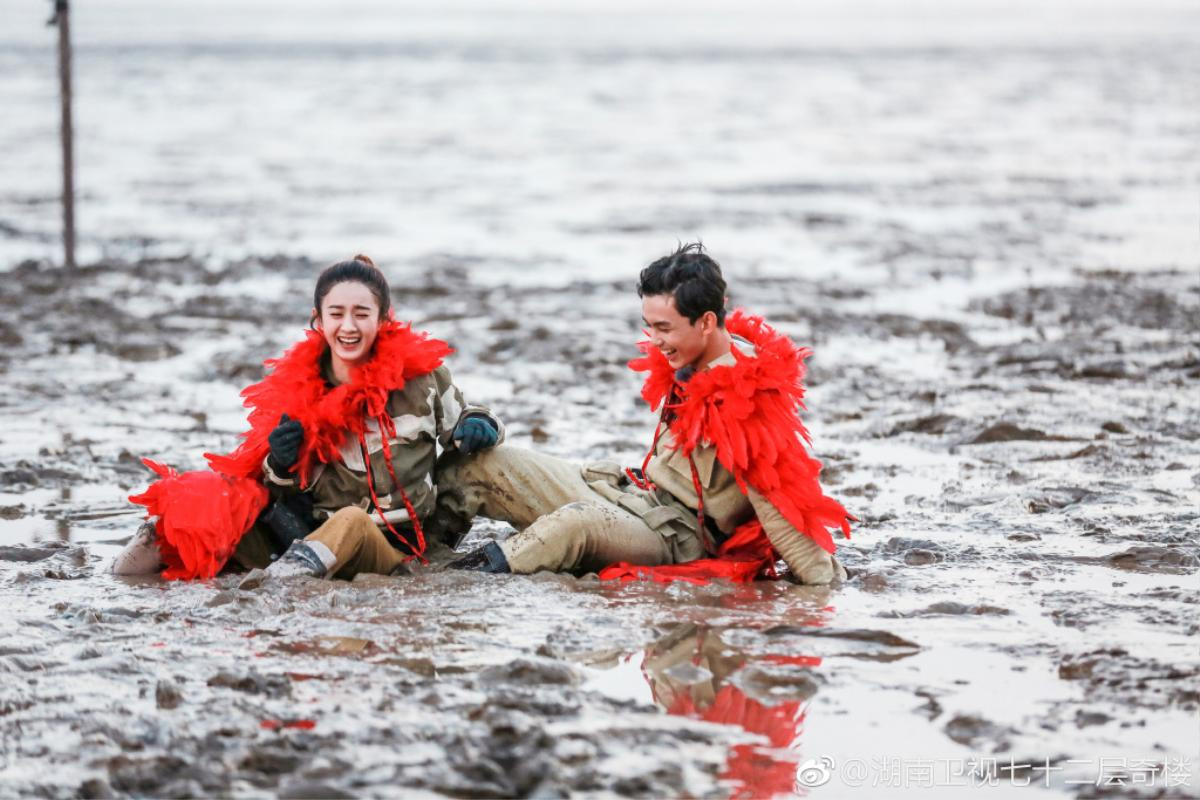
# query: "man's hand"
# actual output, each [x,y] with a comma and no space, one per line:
[285,443]
[475,433]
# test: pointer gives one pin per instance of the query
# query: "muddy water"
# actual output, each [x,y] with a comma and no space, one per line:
[1024,587]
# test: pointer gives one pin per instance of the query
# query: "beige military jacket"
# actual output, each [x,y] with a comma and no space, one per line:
[725,504]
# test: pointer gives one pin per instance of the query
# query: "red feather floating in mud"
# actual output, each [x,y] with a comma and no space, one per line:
[745,556]
[280,724]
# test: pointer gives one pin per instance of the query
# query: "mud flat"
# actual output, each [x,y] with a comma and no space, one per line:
[1023,600]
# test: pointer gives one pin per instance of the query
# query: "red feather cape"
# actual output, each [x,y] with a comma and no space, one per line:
[748,411]
[203,514]
[296,387]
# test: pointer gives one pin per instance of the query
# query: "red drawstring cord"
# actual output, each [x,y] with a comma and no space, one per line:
[644,483]
[419,550]
[708,544]
[386,424]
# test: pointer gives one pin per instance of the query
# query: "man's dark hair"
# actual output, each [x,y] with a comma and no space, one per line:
[692,277]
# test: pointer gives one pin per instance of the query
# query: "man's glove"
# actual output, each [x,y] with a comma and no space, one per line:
[285,445]
[475,433]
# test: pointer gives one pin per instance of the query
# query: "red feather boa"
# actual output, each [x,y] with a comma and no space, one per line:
[296,387]
[203,514]
[748,411]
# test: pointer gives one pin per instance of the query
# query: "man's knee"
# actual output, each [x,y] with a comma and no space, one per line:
[573,519]
[555,541]
[460,479]
[481,482]
[574,528]
[476,468]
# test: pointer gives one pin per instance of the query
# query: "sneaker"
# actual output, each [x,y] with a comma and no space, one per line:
[140,556]
[303,558]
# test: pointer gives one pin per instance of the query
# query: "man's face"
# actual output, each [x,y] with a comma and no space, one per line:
[682,342]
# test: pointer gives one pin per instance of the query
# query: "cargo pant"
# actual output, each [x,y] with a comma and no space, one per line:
[570,518]
[349,542]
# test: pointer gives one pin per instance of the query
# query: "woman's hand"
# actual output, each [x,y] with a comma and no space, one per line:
[475,433]
[285,443]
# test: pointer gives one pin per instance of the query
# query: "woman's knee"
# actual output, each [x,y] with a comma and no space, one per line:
[352,522]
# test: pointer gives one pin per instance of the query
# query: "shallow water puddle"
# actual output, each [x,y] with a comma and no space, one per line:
[762,686]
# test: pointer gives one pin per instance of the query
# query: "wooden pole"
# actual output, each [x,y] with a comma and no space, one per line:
[62,18]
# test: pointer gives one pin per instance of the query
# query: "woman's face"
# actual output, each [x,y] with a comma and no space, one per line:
[349,321]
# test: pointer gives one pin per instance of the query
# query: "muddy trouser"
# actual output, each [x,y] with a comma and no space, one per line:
[349,542]
[571,518]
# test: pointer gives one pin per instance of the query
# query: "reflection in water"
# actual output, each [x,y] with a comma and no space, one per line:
[693,672]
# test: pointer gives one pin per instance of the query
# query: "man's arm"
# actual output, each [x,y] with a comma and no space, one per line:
[808,561]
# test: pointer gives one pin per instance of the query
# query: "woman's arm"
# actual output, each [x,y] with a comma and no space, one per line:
[453,411]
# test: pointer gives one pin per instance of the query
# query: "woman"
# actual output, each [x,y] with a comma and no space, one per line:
[344,433]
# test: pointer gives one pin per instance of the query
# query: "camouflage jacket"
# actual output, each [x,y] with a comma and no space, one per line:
[425,413]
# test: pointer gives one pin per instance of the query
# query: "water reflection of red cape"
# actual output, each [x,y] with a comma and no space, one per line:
[752,770]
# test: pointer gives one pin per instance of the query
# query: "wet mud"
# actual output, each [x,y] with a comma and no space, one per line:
[1023,581]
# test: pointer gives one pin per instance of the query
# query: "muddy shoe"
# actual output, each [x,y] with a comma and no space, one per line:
[303,558]
[140,556]
[489,558]
[840,572]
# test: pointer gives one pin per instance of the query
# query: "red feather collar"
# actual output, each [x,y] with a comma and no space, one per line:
[294,386]
[748,411]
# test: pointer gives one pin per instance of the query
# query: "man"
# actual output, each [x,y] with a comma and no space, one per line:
[727,454]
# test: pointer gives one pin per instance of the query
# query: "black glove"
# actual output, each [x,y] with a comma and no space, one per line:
[285,445]
[288,518]
[475,433]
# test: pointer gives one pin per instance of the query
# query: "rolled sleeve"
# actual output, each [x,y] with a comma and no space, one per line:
[807,560]
[452,408]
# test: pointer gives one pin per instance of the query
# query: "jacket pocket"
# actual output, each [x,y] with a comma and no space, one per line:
[660,517]
[609,472]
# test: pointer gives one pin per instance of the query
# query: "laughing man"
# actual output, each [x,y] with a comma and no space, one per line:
[727,488]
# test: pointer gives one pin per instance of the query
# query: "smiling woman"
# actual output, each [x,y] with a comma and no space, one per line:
[350,300]
[344,433]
